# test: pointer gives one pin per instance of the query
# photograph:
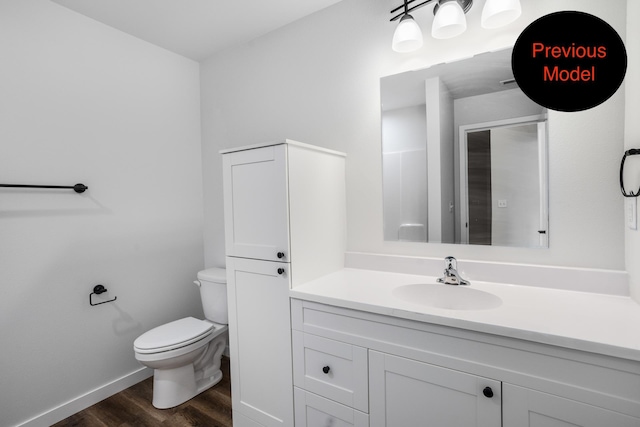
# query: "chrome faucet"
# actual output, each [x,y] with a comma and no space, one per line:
[451,275]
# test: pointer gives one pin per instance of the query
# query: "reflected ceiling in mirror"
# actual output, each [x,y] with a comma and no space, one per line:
[464,156]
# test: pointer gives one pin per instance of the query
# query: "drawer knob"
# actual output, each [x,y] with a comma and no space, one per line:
[326,369]
[280,255]
[281,271]
[487,392]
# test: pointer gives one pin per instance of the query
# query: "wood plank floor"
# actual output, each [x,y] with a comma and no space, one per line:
[132,408]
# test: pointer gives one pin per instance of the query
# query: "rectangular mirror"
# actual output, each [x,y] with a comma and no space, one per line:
[464,156]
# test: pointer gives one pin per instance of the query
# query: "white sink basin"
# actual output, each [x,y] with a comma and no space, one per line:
[447,296]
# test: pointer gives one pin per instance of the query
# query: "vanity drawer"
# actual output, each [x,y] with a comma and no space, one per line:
[332,369]
[312,410]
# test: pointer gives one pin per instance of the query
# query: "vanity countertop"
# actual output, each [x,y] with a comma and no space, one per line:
[597,323]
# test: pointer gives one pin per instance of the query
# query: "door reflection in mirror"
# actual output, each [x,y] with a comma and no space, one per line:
[502,168]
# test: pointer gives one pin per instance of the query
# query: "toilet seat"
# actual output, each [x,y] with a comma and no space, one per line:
[173,335]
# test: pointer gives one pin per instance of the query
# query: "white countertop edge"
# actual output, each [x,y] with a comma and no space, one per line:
[610,336]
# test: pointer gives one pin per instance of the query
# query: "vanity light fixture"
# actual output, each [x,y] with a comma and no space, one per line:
[449,20]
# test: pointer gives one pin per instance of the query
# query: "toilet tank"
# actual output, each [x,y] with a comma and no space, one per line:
[213,292]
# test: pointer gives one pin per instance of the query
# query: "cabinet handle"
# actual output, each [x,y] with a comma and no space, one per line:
[326,369]
[487,392]
[280,255]
[281,271]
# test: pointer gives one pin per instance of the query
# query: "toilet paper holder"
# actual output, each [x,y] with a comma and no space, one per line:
[97,290]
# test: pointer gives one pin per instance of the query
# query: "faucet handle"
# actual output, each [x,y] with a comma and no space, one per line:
[450,262]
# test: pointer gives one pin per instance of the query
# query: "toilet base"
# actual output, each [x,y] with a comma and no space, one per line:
[173,387]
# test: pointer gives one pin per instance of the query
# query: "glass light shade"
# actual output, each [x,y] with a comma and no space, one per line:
[408,36]
[449,21]
[498,13]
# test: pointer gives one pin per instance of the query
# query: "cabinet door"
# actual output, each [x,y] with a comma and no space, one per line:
[260,341]
[529,408]
[255,203]
[408,393]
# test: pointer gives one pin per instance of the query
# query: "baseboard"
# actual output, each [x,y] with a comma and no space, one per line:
[73,406]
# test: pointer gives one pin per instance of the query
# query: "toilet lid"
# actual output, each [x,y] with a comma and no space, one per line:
[215,275]
[176,334]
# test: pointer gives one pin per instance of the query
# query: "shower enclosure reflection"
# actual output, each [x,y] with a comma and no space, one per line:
[464,156]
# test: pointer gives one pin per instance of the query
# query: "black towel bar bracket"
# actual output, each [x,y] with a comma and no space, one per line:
[631,152]
[78,188]
[97,290]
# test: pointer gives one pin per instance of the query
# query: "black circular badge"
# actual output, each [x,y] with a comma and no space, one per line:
[569,61]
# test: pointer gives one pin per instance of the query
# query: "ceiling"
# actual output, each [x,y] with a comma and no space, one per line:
[478,75]
[196,29]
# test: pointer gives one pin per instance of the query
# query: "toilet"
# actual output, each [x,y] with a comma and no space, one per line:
[185,354]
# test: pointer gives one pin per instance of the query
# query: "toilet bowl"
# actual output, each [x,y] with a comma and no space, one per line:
[185,354]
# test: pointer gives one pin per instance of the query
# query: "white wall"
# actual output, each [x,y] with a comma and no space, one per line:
[405,160]
[632,134]
[404,129]
[447,158]
[81,102]
[317,81]
[436,132]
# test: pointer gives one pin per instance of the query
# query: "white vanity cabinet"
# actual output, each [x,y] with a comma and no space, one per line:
[284,206]
[427,374]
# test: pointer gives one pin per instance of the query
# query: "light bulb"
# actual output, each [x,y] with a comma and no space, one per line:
[449,21]
[407,36]
[498,13]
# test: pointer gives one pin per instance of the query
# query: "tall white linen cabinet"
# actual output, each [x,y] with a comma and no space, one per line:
[285,224]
